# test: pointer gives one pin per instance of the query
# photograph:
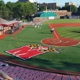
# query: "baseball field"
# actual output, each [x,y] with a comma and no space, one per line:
[65,39]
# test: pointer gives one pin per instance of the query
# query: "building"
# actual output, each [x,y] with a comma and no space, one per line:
[50,5]
[70,3]
[23,0]
[32,1]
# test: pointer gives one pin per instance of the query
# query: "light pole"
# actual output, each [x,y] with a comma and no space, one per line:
[70,8]
[54,5]
[70,5]
[46,10]
[37,5]
[77,4]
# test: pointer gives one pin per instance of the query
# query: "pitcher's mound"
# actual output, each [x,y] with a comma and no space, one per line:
[60,42]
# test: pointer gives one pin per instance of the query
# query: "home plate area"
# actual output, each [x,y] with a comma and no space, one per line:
[61,41]
[31,50]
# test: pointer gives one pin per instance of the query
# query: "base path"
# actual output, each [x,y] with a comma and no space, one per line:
[57,40]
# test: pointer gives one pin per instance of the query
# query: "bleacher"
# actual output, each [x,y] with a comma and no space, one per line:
[20,73]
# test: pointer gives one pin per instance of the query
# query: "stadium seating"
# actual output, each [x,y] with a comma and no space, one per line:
[20,73]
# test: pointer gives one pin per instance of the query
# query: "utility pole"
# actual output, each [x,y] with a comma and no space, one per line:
[54,5]
[37,4]
[70,5]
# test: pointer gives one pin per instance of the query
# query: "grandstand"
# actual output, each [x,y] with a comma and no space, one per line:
[21,73]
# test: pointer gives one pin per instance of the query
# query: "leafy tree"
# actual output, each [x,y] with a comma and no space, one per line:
[5,13]
[30,9]
[2,5]
[10,7]
[21,10]
[17,10]
[79,9]
[70,8]
[42,8]
[73,8]
[57,7]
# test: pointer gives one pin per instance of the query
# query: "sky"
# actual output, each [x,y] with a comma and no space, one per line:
[60,2]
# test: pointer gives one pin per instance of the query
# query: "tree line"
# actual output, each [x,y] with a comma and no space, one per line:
[18,9]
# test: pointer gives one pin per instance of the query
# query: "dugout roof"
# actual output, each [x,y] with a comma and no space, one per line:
[9,23]
[45,14]
[48,14]
[4,22]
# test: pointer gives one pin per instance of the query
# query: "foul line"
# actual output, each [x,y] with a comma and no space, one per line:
[55,33]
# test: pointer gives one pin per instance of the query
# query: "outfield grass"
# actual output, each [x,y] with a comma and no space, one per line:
[69,57]
[63,21]
[69,32]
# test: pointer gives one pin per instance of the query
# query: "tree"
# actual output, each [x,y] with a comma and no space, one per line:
[73,8]
[4,13]
[10,7]
[21,10]
[17,10]
[2,5]
[79,9]
[70,8]
[57,7]
[42,8]
[30,9]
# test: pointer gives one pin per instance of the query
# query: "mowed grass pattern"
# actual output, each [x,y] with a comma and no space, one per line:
[69,57]
[69,32]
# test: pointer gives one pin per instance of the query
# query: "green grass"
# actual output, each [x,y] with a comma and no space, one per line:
[69,32]
[69,57]
[63,21]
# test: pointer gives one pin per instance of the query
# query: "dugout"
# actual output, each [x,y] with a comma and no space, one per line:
[9,27]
